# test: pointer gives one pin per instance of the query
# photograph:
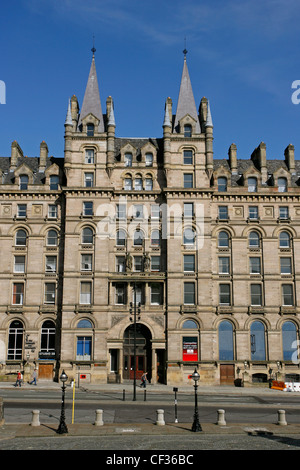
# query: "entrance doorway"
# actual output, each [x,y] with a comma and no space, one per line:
[143,352]
[226,374]
[46,371]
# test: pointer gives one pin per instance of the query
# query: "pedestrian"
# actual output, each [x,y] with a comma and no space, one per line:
[144,380]
[19,379]
[34,377]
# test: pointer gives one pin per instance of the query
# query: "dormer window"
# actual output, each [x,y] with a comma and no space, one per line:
[90,129]
[128,159]
[23,182]
[149,159]
[252,185]
[54,181]
[282,185]
[187,130]
[222,184]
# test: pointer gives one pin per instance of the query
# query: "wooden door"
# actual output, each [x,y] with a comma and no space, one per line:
[45,371]
[227,374]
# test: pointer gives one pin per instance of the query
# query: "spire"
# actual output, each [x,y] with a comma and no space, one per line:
[111,120]
[209,122]
[91,101]
[68,121]
[186,101]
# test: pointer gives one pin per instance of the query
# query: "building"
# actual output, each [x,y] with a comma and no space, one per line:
[203,251]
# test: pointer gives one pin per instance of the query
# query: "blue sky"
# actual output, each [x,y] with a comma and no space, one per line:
[243,55]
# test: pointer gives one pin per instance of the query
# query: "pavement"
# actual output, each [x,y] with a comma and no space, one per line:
[11,431]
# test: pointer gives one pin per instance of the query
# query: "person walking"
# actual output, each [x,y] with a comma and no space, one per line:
[34,378]
[19,379]
[144,380]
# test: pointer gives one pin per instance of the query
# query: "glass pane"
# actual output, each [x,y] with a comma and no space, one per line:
[289,340]
[257,336]
[226,352]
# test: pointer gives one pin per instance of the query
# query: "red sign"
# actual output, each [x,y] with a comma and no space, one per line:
[190,348]
[82,376]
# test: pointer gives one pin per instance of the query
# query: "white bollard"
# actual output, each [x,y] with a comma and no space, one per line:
[221,418]
[35,418]
[281,418]
[99,418]
[160,418]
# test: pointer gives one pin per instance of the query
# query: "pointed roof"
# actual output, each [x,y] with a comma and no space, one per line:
[68,121]
[91,101]
[186,101]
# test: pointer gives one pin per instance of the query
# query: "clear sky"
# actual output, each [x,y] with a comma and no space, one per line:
[243,55]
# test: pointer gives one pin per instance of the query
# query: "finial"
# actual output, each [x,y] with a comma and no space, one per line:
[185,50]
[93,48]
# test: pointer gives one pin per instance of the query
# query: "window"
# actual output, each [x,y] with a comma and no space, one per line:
[88,180]
[254,240]
[89,156]
[190,325]
[121,237]
[90,129]
[51,262]
[224,294]
[21,238]
[189,263]
[19,264]
[49,293]
[223,240]
[138,184]
[128,183]
[138,211]
[187,157]
[23,182]
[155,296]
[188,209]
[149,159]
[87,236]
[84,323]
[22,210]
[283,212]
[138,292]
[48,338]
[256,294]
[15,340]
[138,263]
[155,263]
[18,293]
[120,294]
[120,264]
[226,345]
[224,263]
[86,262]
[253,212]
[155,211]
[148,184]
[155,238]
[255,265]
[85,293]
[187,130]
[52,211]
[128,159]
[282,185]
[54,182]
[88,208]
[257,341]
[121,211]
[252,185]
[287,294]
[189,236]
[52,238]
[138,238]
[223,212]
[284,240]
[188,180]
[285,265]
[189,293]
[84,348]
[289,340]
[222,184]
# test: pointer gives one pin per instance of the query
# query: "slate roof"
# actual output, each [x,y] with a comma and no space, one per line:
[32,163]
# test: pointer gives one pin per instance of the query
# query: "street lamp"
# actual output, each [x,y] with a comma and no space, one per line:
[134,337]
[196,424]
[62,428]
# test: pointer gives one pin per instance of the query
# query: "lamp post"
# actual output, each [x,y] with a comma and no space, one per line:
[62,428]
[134,337]
[196,424]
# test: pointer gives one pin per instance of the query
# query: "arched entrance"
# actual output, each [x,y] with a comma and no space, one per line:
[143,352]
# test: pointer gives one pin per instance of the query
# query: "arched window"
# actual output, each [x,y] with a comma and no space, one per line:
[138,238]
[257,341]
[48,339]
[128,183]
[121,237]
[87,235]
[222,183]
[52,238]
[253,240]
[190,325]
[15,340]
[84,323]
[21,238]
[84,343]
[148,183]
[223,240]
[226,344]
[289,340]
[189,236]
[284,240]
[282,185]
[138,183]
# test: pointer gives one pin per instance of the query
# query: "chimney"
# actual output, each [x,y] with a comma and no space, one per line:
[232,159]
[289,155]
[43,156]
[16,152]
[259,158]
